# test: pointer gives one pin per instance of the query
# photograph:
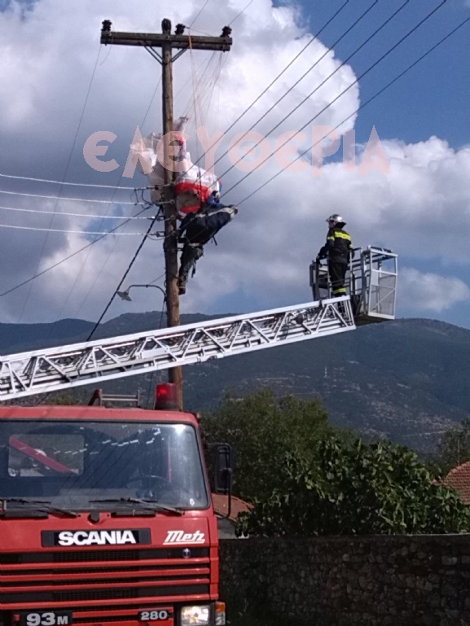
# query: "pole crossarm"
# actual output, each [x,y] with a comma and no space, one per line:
[55,369]
[156,40]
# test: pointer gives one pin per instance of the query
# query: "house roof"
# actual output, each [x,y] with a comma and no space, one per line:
[220,503]
[459,479]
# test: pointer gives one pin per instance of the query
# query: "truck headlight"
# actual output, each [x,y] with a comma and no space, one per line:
[195,615]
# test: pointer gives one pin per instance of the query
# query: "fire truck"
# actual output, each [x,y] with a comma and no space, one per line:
[105,513]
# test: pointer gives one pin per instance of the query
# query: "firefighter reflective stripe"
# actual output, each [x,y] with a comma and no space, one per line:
[341,235]
[330,238]
[339,290]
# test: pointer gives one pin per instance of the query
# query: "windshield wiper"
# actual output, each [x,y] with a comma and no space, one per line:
[149,505]
[39,505]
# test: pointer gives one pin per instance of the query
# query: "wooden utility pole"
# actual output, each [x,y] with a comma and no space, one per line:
[168,42]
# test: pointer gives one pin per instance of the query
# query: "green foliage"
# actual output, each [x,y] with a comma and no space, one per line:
[355,489]
[262,430]
[61,398]
[454,448]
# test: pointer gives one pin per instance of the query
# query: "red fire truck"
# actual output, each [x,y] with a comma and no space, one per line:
[106,514]
[106,517]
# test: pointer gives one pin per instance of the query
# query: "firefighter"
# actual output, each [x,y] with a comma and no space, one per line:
[196,230]
[338,250]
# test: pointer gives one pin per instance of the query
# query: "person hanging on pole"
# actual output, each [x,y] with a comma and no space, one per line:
[197,229]
[338,249]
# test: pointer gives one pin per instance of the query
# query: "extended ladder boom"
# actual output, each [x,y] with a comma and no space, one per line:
[53,369]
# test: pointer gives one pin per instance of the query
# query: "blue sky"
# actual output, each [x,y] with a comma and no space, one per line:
[432,99]
[60,89]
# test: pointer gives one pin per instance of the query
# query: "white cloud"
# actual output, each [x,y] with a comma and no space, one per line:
[420,208]
[420,291]
[46,81]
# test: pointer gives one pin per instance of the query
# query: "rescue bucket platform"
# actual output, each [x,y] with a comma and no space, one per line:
[371,284]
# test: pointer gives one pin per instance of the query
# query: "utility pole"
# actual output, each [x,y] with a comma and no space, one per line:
[168,42]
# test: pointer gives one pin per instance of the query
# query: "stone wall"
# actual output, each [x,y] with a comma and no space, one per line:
[339,581]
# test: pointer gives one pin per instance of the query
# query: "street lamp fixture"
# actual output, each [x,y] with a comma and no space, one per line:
[125,295]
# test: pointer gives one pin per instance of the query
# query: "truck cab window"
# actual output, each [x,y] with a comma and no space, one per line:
[77,465]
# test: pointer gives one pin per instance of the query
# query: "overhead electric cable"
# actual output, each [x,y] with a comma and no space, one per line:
[61,230]
[122,280]
[99,271]
[309,43]
[44,243]
[396,45]
[325,80]
[103,265]
[243,11]
[37,195]
[148,109]
[67,258]
[58,182]
[366,103]
[200,11]
[87,215]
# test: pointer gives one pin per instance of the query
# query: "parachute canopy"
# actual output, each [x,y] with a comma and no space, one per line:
[193,184]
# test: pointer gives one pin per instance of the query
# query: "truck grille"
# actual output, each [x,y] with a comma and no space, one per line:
[103,575]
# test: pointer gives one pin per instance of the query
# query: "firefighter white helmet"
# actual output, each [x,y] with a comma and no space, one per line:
[335,218]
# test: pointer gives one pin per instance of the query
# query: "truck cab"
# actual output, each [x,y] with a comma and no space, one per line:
[106,516]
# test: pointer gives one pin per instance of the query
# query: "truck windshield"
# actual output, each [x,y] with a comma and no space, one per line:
[83,466]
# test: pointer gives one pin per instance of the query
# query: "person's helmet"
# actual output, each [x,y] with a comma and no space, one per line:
[337,219]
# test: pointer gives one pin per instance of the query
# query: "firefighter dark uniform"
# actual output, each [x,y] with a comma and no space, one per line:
[195,231]
[339,250]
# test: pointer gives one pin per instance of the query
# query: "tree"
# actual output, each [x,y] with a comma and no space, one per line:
[454,447]
[262,430]
[355,489]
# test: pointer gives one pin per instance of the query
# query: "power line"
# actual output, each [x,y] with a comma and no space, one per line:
[367,102]
[99,233]
[243,11]
[43,247]
[67,258]
[129,267]
[200,11]
[58,182]
[36,195]
[396,45]
[87,215]
[309,43]
[374,34]
[148,108]
[99,272]
[286,93]
[60,230]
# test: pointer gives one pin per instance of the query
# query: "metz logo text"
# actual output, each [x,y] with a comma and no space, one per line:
[179,536]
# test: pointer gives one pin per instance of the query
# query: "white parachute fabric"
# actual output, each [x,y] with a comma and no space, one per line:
[193,184]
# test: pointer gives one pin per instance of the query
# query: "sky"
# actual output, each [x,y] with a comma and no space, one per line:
[409,192]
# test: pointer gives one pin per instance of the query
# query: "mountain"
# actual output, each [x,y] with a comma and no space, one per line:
[406,380]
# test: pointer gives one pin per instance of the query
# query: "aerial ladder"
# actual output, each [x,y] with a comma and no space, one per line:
[371,287]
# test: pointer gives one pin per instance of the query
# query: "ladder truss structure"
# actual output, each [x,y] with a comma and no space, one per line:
[54,369]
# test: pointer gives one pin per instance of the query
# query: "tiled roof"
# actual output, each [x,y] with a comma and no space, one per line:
[459,478]
[220,503]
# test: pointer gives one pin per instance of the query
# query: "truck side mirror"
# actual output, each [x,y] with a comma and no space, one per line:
[223,469]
